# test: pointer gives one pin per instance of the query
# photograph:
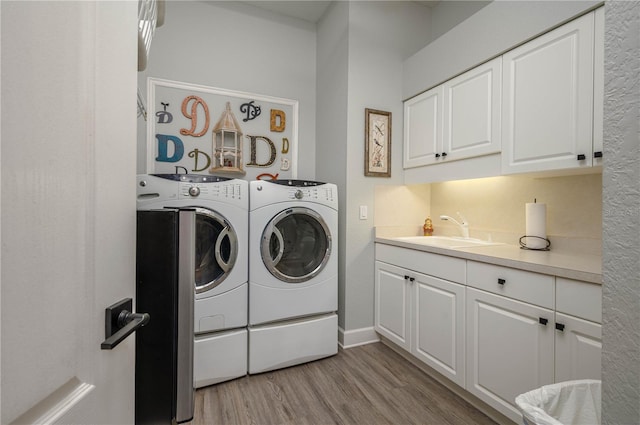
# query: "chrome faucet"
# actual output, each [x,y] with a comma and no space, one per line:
[463,225]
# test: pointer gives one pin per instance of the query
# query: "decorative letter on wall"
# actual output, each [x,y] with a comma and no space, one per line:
[193,116]
[163,148]
[195,154]
[272,149]
[278,120]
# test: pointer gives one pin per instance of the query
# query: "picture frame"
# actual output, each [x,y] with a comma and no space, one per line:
[377,143]
[264,140]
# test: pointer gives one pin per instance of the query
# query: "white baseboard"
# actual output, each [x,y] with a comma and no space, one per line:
[355,337]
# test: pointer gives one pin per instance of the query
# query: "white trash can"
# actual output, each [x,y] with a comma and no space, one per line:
[564,403]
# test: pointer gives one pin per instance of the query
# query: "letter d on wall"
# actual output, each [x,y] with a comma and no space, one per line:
[163,148]
[272,151]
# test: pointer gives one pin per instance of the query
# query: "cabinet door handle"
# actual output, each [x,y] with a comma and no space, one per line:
[411,279]
[582,157]
[560,327]
[437,155]
[444,154]
[597,154]
[406,277]
[543,321]
[501,281]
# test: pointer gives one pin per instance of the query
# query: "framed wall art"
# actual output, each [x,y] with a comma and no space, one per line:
[194,129]
[377,143]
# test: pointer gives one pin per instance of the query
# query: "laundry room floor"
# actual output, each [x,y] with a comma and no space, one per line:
[369,384]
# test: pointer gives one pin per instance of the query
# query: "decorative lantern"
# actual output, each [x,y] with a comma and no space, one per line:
[227,144]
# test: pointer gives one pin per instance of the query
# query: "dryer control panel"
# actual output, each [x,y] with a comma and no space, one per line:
[265,192]
[325,193]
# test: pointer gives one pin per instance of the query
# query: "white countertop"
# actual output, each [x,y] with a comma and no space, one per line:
[583,267]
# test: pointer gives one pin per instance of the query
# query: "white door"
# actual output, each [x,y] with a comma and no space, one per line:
[438,327]
[578,348]
[547,108]
[423,129]
[472,112]
[509,349]
[68,208]
[393,304]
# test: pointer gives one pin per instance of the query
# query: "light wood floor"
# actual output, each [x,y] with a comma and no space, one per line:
[366,385]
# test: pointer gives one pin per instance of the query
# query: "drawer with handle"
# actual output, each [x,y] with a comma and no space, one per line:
[521,285]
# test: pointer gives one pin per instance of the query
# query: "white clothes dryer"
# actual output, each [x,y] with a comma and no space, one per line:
[293,272]
[221,286]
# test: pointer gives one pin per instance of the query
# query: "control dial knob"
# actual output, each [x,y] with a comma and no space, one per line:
[299,194]
[194,191]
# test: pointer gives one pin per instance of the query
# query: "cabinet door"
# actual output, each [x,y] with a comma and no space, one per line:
[578,348]
[438,326]
[392,304]
[548,100]
[472,112]
[423,128]
[598,87]
[509,349]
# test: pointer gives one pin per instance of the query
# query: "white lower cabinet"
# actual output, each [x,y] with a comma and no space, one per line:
[510,348]
[496,331]
[393,304]
[578,330]
[578,348]
[438,326]
[422,313]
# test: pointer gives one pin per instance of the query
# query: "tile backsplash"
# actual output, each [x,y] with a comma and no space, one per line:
[495,208]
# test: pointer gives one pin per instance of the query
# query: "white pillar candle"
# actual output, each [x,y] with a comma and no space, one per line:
[536,225]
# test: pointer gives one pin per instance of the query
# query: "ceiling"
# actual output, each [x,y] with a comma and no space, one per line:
[308,10]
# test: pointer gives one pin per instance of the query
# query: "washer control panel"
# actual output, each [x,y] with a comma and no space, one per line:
[229,190]
[152,188]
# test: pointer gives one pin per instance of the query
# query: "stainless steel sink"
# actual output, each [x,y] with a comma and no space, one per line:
[446,241]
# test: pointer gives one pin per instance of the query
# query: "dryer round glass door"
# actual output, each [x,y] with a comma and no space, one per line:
[216,249]
[296,245]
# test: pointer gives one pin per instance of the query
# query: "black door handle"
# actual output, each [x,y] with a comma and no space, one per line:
[120,322]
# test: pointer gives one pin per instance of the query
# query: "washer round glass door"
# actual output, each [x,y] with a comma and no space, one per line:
[296,245]
[216,249]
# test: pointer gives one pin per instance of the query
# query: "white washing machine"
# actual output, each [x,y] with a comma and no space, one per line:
[221,286]
[293,273]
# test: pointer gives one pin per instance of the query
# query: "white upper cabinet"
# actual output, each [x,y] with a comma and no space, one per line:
[547,106]
[458,119]
[472,112]
[423,128]
[598,87]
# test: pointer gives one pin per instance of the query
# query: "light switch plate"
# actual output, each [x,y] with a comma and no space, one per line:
[363,212]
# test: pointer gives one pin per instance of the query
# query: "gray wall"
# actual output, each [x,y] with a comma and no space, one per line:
[381,36]
[238,47]
[331,160]
[492,30]
[621,216]
[361,47]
